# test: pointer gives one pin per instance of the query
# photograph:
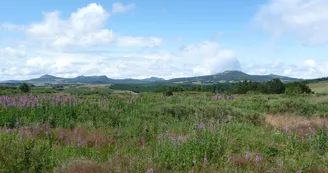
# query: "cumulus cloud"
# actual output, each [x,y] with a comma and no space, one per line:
[308,69]
[307,20]
[120,8]
[12,27]
[64,64]
[194,59]
[211,58]
[9,52]
[83,28]
[139,41]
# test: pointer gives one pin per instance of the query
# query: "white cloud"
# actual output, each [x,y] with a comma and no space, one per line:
[9,52]
[12,27]
[308,69]
[120,8]
[210,57]
[139,41]
[189,61]
[307,20]
[81,44]
[65,64]
[84,28]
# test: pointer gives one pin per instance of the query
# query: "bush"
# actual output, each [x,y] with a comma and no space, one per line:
[275,86]
[168,93]
[297,88]
[25,88]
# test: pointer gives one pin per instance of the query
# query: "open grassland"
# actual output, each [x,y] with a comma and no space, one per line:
[187,132]
[320,87]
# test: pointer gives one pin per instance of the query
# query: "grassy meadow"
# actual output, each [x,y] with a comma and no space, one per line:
[319,87]
[150,132]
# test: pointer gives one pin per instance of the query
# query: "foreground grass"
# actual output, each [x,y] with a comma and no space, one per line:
[150,132]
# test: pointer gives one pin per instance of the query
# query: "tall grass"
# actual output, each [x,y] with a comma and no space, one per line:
[151,132]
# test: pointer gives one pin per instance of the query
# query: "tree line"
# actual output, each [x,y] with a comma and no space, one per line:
[274,86]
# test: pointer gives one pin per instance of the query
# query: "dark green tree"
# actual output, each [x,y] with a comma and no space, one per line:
[275,86]
[24,87]
[168,93]
[297,88]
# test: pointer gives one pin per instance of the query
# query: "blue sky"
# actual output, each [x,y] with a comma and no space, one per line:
[167,39]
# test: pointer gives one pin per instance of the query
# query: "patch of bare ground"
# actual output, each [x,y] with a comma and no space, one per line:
[116,164]
[319,170]
[319,98]
[125,92]
[291,120]
[84,166]
[83,137]
[98,85]
[33,131]
[252,161]
[78,136]
[301,126]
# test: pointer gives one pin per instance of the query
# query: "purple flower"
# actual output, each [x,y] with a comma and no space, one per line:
[79,141]
[299,171]
[258,158]
[188,136]
[201,125]
[229,158]
[281,164]
[119,131]
[194,160]
[247,155]
[47,132]
[17,124]
[150,170]
[180,139]
[192,170]
[172,138]
[61,135]
[294,127]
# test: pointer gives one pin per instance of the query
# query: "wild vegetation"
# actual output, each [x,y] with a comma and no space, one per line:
[186,131]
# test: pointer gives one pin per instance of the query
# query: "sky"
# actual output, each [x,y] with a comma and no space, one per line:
[168,39]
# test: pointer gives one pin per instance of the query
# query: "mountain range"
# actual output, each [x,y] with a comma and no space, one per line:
[227,76]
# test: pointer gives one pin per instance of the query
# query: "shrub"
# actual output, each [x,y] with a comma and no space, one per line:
[275,86]
[24,155]
[297,88]
[168,93]
[25,88]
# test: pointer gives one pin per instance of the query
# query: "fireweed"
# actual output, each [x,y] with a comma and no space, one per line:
[153,134]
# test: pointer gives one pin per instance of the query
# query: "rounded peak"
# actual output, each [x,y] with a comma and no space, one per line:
[231,71]
[47,76]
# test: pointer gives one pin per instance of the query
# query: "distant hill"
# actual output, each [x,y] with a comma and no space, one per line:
[309,81]
[231,76]
[227,76]
[153,79]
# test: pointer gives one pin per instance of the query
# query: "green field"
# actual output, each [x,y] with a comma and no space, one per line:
[182,133]
[320,87]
